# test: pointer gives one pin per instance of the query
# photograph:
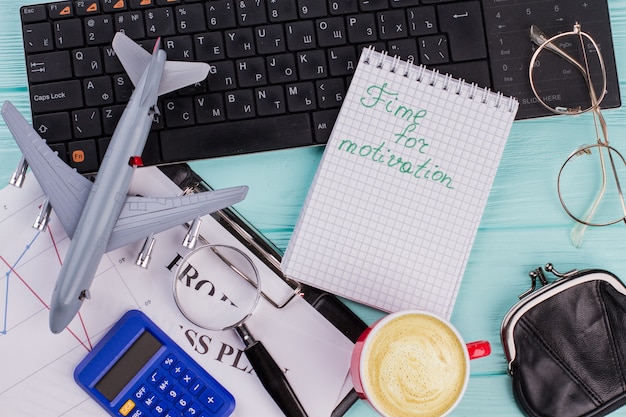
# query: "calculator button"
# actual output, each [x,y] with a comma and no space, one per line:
[173,394]
[164,385]
[169,361]
[183,402]
[155,377]
[141,392]
[211,400]
[159,409]
[193,410]
[138,413]
[177,370]
[127,407]
[196,388]
[187,378]
[150,400]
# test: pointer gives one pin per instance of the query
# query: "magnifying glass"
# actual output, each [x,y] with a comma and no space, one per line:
[217,287]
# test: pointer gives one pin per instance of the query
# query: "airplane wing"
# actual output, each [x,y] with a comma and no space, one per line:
[142,216]
[65,188]
[176,74]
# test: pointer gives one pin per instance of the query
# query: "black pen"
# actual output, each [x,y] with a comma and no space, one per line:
[270,374]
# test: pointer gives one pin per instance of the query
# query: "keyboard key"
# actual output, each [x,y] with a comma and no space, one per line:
[61,10]
[32,14]
[231,138]
[131,23]
[251,12]
[270,39]
[331,31]
[464,22]
[83,155]
[98,91]
[38,38]
[53,127]
[240,105]
[160,22]
[86,123]
[178,112]
[87,62]
[281,10]
[422,21]
[190,18]
[86,7]
[220,14]
[68,33]
[98,30]
[323,122]
[392,24]
[309,9]
[50,66]
[239,43]
[433,50]
[58,96]
[270,101]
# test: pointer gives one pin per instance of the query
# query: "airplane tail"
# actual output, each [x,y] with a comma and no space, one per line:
[176,74]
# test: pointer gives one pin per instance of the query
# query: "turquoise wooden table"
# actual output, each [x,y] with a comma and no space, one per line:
[523,225]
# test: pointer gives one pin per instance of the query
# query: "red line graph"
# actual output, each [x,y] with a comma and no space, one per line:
[87,346]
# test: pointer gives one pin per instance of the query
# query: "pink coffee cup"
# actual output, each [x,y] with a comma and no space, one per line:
[413,363]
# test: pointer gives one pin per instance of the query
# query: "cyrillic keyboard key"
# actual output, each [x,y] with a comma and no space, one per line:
[98,91]
[87,62]
[58,96]
[38,38]
[236,137]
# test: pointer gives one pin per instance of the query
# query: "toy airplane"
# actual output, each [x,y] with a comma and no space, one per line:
[100,216]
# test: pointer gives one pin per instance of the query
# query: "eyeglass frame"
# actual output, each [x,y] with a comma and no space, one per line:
[545,43]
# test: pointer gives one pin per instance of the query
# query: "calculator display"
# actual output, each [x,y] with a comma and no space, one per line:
[131,362]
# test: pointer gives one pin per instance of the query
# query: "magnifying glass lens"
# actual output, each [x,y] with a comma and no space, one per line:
[216,287]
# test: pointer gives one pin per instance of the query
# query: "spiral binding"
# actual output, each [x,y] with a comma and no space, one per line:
[420,74]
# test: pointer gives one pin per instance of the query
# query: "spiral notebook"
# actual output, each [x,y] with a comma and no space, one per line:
[394,207]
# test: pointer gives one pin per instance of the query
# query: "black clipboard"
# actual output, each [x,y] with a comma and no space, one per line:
[328,305]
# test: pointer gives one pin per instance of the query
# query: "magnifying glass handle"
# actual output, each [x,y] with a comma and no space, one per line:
[270,375]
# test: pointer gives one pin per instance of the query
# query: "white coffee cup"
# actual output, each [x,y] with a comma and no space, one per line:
[413,363]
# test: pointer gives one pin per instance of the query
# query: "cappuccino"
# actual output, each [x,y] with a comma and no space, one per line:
[414,365]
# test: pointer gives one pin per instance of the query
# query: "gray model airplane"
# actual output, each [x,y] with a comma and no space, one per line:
[100,216]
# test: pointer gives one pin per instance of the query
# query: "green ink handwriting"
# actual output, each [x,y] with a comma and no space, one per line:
[383,155]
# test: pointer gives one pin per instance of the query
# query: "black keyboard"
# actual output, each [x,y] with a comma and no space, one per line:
[279,68]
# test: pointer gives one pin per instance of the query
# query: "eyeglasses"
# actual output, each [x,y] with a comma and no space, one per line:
[590,193]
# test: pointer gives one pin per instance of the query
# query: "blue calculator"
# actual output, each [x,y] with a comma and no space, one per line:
[136,370]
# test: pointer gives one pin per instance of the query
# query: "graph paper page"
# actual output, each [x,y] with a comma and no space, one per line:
[394,207]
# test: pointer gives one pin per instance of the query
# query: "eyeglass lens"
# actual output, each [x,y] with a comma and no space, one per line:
[589,193]
[558,81]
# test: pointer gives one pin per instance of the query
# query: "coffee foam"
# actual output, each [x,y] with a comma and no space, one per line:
[416,367]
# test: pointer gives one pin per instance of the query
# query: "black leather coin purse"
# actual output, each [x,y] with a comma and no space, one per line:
[566,344]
